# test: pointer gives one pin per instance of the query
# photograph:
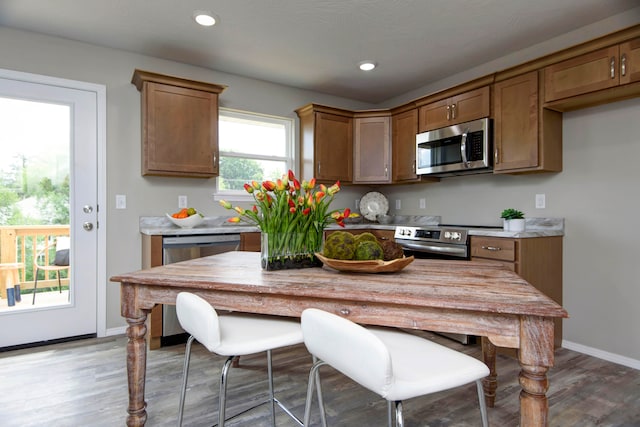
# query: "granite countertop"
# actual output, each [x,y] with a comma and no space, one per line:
[535,227]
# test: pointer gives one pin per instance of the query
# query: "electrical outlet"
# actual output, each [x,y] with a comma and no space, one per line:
[121,201]
[182,202]
[357,204]
[398,204]
[541,201]
[423,203]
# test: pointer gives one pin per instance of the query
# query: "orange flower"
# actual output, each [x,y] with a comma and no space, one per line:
[269,185]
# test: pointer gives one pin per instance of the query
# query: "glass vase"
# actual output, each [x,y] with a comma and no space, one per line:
[282,251]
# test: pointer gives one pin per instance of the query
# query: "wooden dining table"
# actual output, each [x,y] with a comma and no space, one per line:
[467,297]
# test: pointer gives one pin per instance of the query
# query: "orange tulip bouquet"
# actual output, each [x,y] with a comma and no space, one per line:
[292,217]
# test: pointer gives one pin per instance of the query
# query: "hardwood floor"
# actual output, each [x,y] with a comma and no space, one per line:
[83,383]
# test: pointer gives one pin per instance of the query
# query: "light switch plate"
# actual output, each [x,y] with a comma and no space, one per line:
[182,202]
[423,204]
[398,204]
[121,201]
[541,201]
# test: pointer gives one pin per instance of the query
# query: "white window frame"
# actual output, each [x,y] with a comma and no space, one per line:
[290,158]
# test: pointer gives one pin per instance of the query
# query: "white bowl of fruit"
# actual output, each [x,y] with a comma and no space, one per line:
[186,218]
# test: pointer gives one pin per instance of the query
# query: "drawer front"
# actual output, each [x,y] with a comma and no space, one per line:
[493,248]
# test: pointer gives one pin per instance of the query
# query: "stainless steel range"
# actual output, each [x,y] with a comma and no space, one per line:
[438,241]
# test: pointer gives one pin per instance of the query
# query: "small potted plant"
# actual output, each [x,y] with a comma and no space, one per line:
[513,219]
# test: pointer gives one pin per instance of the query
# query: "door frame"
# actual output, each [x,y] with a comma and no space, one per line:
[101,176]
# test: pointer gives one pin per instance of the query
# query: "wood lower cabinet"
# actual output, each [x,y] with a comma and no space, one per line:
[372,149]
[251,241]
[538,260]
[464,107]
[326,143]
[179,125]
[152,257]
[404,127]
[527,137]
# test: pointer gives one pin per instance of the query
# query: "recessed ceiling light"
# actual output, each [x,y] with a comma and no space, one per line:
[367,65]
[205,18]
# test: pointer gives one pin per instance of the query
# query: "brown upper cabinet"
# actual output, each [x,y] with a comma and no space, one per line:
[606,68]
[464,107]
[179,125]
[372,148]
[326,143]
[527,137]
[404,127]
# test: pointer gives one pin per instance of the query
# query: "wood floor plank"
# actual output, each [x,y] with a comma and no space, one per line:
[83,383]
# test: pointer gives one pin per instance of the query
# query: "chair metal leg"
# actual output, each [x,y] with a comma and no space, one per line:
[185,374]
[399,418]
[483,404]
[313,375]
[389,413]
[323,415]
[35,287]
[223,390]
[272,396]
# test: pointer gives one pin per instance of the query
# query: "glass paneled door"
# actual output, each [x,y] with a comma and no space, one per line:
[49,131]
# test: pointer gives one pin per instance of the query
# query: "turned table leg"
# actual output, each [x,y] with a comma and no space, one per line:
[534,407]
[136,353]
[136,371]
[490,382]
[535,357]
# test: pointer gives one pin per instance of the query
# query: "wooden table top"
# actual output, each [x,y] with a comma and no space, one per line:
[459,285]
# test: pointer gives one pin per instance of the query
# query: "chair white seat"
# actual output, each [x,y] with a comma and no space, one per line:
[394,364]
[232,335]
[242,334]
[423,367]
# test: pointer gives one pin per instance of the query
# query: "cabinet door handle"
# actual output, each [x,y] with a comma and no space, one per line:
[491,248]
[318,168]
[623,65]
[448,112]
[496,157]
[453,111]
[612,67]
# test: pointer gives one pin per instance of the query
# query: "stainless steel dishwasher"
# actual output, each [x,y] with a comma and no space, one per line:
[183,248]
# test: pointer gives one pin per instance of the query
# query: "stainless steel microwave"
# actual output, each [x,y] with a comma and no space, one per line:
[455,150]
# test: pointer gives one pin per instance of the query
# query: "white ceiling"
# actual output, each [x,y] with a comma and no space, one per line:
[317,44]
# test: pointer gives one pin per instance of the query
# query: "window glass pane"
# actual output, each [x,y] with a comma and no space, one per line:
[252,147]
[240,135]
[236,171]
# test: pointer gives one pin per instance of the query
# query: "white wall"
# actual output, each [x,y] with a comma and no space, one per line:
[596,193]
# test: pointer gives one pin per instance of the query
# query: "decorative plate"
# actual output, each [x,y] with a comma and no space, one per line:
[373,204]
[373,266]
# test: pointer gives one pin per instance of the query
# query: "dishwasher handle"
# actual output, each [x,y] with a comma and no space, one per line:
[199,240]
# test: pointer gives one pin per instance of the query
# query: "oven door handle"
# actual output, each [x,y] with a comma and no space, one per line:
[449,250]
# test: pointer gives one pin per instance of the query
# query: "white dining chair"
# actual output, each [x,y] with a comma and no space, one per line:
[393,364]
[233,335]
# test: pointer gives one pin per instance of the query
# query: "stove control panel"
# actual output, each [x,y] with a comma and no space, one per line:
[432,234]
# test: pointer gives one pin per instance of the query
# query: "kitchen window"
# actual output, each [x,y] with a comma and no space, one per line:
[252,147]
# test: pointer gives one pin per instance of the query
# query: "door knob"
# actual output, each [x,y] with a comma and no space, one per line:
[87,226]
[87,209]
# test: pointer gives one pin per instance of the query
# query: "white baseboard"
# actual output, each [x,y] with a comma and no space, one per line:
[601,354]
[116,331]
